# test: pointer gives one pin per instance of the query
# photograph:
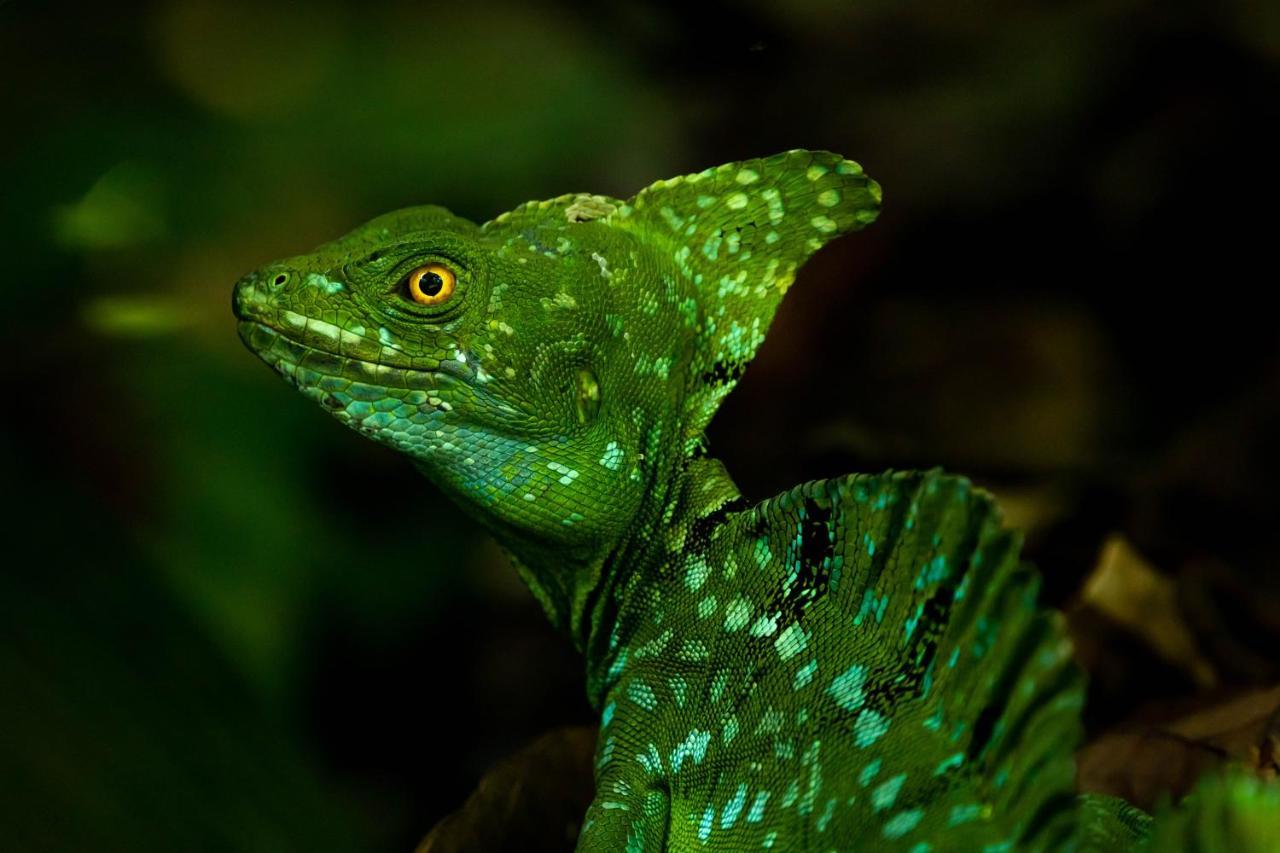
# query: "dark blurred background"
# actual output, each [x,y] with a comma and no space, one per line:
[227,623]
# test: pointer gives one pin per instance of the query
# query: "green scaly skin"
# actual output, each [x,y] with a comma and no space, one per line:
[856,662]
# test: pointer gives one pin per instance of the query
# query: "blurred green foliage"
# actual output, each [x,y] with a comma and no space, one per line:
[227,624]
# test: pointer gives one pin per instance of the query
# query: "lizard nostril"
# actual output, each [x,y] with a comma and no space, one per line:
[260,290]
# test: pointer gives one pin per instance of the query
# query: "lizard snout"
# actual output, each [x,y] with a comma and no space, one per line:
[253,294]
[244,295]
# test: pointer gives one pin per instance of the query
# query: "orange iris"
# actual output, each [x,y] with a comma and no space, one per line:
[432,284]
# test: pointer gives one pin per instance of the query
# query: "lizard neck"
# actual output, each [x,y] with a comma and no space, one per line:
[633,577]
[602,594]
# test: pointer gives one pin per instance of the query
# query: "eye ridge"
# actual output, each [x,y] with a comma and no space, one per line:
[430,284]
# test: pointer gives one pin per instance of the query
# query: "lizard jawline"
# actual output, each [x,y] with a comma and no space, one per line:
[278,348]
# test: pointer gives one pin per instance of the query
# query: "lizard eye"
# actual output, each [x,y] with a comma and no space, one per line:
[431,284]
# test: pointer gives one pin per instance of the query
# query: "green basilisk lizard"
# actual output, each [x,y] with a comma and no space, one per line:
[855,663]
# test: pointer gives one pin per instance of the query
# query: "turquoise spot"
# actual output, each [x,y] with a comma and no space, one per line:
[763,555]
[737,615]
[884,796]
[791,642]
[672,218]
[694,747]
[696,573]
[947,763]
[642,694]
[869,728]
[770,722]
[756,814]
[612,458]
[620,663]
[693,650]
[678,687]
[704,830]
[734,807]
[765,626]
[913,620]
[805,674]
[654,646]
[325,284]
[730,730]
[846,688]
[964,813]
[825,817]
[934,722]
[718,684]
[868,773]
[774,199]
[933,572]
[902,823]
[872,605]
[606,754]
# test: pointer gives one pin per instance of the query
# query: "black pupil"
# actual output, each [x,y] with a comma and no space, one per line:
[431,283]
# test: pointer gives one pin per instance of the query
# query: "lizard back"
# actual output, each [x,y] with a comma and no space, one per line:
[855,661]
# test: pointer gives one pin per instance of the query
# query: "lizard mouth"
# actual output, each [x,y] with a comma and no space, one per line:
[303,363]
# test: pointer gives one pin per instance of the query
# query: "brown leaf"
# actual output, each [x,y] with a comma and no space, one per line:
[1246,728]
[533,800]
[1129,590]
[1142,764]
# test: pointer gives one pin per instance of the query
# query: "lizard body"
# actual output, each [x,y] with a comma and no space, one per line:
[855,662]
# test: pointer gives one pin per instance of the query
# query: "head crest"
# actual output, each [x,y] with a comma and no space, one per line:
[739,232]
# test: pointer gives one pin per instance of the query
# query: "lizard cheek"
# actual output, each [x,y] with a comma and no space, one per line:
[587,396]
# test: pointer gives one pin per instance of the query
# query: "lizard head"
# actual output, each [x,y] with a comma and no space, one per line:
[478,357]
[551,368]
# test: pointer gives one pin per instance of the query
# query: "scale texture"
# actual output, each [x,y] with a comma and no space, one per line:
[858,663]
